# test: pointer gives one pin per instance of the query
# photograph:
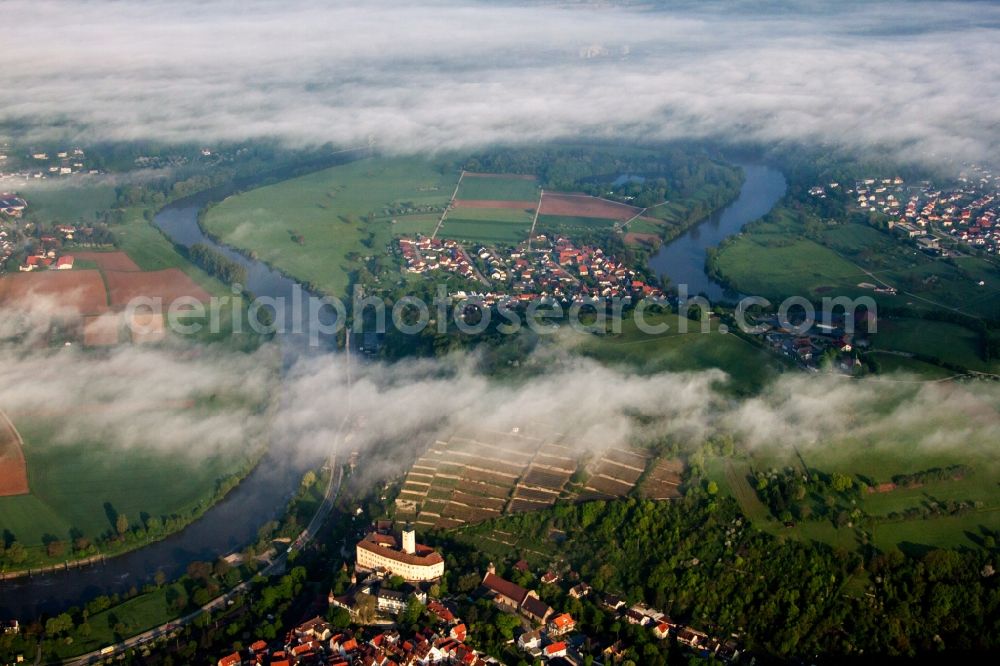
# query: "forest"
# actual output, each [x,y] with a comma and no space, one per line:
[700,561]
[657,175]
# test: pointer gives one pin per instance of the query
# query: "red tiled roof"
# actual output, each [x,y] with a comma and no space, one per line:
[231,659]
[505,587]
[370,543]
[563,621]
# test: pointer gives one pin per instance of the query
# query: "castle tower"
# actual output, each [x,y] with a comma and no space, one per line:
[409,540]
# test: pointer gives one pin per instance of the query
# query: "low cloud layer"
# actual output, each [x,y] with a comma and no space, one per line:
[196,401]
[594,407]
[191,403]
[920,78]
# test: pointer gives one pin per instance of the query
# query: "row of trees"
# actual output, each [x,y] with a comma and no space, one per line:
[217,264]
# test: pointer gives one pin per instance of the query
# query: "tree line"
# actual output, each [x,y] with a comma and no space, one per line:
[217,264]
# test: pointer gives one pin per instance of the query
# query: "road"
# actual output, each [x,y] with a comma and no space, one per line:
[451,202]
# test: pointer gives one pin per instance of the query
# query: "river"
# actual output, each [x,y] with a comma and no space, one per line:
[233,522]
[683,259]
[230,524]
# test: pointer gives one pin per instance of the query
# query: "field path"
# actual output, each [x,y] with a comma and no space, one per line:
[451,203]
[534,220]
[752,507]
[13,468]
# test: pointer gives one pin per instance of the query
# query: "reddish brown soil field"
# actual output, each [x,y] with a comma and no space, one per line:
[83,291]
[616,488]
[109,261]
[168,285]
[146,327]
[664,481]
[635,238]
[512,176]
[535,495]
[581,205]
[101,331]
[492,203]
[13,469]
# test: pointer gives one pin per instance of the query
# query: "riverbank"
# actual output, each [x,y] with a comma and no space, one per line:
[683,261]
[38,561]
[227,522]
[161,609]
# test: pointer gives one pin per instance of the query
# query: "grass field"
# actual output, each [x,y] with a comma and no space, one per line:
[412,225]
[152,251]
[918,535]
[748,367]
[507,226]
[773,268]
[131,617]
[565,223]
[498,188]
[642,226]
[875,458]
[332,211]
[941,340]
[512,215]
[792,253]
[485,231]
[894,363]
[68,202]
[73,484]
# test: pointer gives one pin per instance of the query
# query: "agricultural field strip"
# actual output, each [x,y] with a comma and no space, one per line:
[606,481]
[610,469]
[529,472]
[523,473]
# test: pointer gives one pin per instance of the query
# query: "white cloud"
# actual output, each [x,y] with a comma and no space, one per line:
[404,406]
[179,400]
[918,77]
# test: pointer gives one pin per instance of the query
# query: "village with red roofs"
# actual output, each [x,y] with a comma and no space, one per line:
[378,628]
[544,269]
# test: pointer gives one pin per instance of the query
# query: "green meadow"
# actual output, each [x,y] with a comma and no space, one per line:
[68,202]
[792,253]
[749,368]
[521,216]
[79,487]
[567,223]
[939,340]
[490,232]
[316,226]
[800,266]
[875,458]
[920,370]
[498,188]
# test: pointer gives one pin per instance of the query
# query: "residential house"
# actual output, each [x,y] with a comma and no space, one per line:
[530,641]
[555,650]
[233,659]
[549,578]
[561,624]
